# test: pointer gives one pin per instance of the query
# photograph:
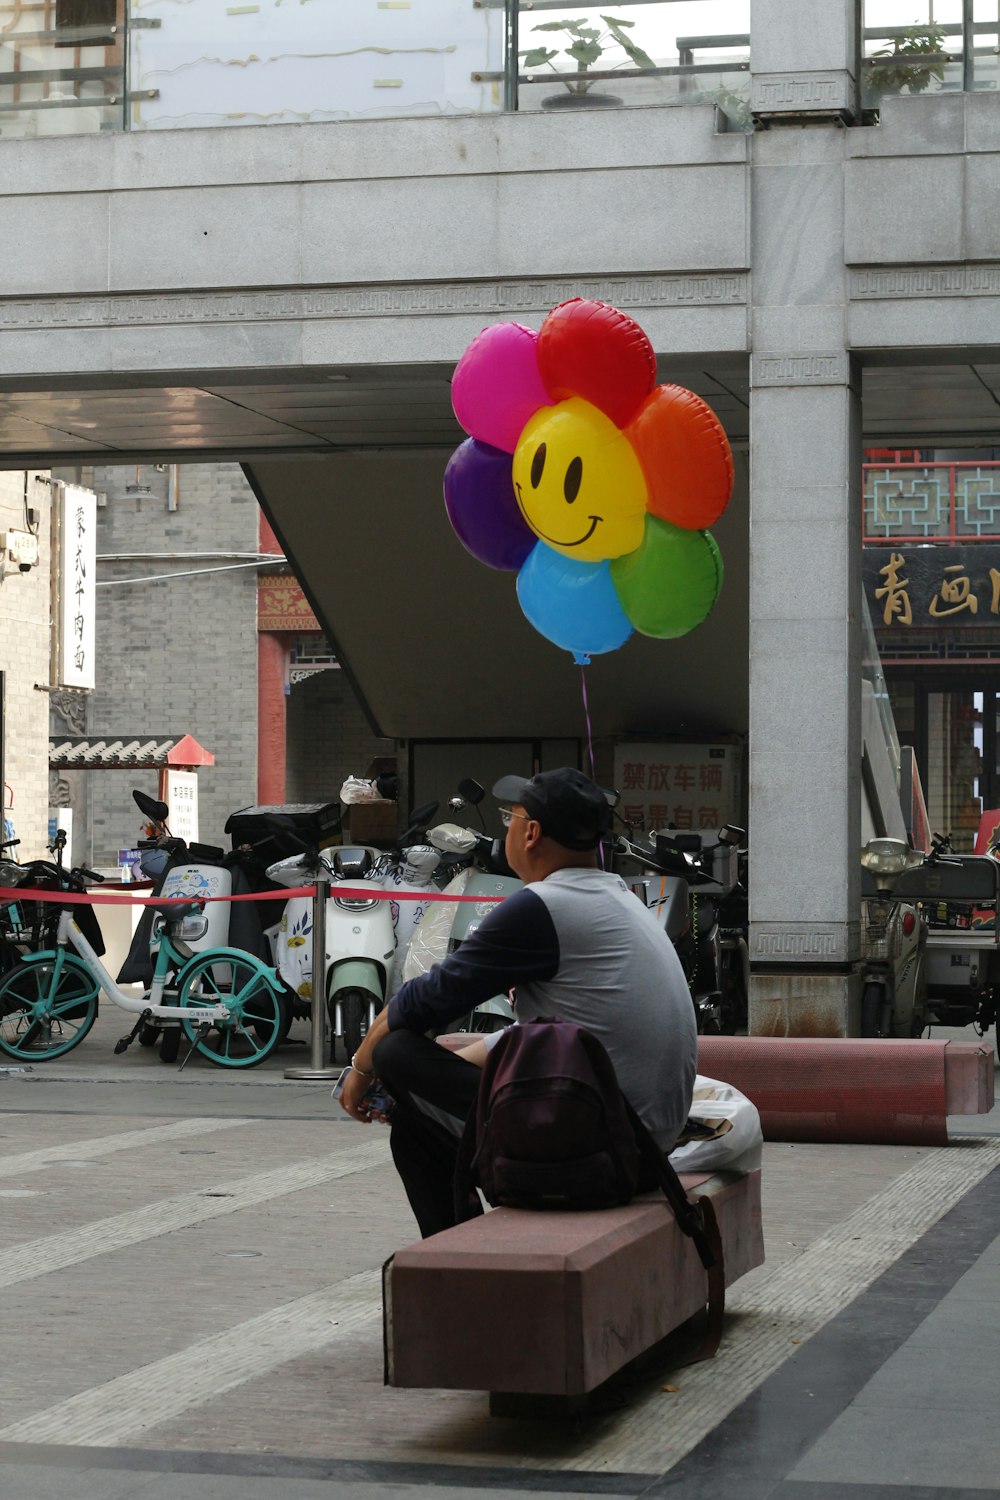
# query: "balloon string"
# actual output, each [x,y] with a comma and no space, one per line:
[586,714]
[590,743]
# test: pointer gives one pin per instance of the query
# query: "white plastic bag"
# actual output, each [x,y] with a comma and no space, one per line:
[736,1143]
[429,943]
[356,789]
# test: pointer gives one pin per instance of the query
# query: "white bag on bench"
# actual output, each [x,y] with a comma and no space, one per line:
[736,1139]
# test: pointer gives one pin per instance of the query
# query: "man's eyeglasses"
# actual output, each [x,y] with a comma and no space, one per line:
[507,815]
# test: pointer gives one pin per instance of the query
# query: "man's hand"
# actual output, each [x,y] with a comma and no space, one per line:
[356,1086]
[358,1082]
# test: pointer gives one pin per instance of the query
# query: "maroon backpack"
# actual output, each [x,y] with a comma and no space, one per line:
[551,1129]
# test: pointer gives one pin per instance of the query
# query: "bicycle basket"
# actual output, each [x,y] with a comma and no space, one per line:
[880,934]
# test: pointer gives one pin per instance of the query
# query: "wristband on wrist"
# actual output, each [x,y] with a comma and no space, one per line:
[363,1071]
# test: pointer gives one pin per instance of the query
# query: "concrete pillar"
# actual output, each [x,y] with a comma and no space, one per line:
[805,58]
[805,543]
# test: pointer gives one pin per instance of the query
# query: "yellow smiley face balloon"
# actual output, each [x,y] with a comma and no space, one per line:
[578,482]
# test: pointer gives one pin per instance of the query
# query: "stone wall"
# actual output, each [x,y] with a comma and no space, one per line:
[177,656]
[24,661]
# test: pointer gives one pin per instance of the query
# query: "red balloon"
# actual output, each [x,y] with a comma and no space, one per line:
[592,350]
[685,456]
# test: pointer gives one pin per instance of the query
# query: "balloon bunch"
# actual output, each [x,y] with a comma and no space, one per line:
[590,480]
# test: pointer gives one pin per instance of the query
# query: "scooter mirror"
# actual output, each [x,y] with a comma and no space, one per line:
[452,839]
[471,790]
[730,834]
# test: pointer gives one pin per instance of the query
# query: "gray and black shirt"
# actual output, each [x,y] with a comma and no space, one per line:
[578,946]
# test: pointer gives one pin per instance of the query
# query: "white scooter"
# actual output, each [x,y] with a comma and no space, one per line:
[360,934]
[444,928]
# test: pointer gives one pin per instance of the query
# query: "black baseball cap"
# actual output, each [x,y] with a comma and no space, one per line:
[572,809]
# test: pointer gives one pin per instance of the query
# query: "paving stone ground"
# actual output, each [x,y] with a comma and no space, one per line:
[190,1264]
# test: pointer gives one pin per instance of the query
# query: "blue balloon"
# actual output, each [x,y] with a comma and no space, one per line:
[573,604]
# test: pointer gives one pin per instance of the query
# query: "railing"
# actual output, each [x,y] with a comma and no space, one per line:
[931,502]
[930,55]
[70,67]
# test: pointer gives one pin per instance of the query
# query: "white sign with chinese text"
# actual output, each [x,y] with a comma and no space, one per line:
[182,800]
[681,786]
[77,595]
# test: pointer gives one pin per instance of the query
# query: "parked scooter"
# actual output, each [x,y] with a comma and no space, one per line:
[685,878]
[734,941]
[959,896]
[894,988]
[483,871]
[360,939]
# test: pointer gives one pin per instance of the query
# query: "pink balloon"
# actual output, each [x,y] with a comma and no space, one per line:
[496,386]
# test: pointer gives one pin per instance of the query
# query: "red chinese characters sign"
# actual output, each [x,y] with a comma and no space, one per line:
[687,786]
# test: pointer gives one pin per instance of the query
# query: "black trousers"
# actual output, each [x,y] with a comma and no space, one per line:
[434,1092]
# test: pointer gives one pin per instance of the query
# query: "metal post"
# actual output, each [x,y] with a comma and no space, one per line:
[510,62]
[318,1071]
[968,47]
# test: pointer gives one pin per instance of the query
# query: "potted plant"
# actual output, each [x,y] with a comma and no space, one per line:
[588,44]
[915,59]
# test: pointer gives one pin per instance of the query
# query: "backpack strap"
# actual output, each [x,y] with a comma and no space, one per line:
[685,1212]
[698,1221]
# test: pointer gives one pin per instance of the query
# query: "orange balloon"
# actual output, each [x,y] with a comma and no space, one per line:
[685,456]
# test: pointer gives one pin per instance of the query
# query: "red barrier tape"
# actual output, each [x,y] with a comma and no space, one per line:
[353,892]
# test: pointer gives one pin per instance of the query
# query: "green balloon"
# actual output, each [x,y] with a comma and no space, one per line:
[669,584]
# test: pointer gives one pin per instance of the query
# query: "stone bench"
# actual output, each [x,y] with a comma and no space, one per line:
[553,1304]
[854,1091]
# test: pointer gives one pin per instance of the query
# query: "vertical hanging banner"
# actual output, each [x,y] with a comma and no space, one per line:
[182,800]
[77,595]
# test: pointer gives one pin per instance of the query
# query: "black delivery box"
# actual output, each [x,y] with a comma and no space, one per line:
[274,833]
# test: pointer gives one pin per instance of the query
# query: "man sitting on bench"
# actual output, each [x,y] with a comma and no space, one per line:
[577,945]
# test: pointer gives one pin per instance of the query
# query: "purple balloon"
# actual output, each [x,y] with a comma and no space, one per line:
[481,505]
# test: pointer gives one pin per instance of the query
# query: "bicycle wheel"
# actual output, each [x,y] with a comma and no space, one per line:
[251,1033]
[48,1003]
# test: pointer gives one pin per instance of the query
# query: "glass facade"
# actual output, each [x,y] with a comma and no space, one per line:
[681,52]
[72,67]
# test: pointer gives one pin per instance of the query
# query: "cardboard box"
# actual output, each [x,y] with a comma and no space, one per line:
[373,822]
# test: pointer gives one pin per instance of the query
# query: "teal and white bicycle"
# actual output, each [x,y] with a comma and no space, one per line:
[226,1002]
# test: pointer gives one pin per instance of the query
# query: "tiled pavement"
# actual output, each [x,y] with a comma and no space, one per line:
[191,1310]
